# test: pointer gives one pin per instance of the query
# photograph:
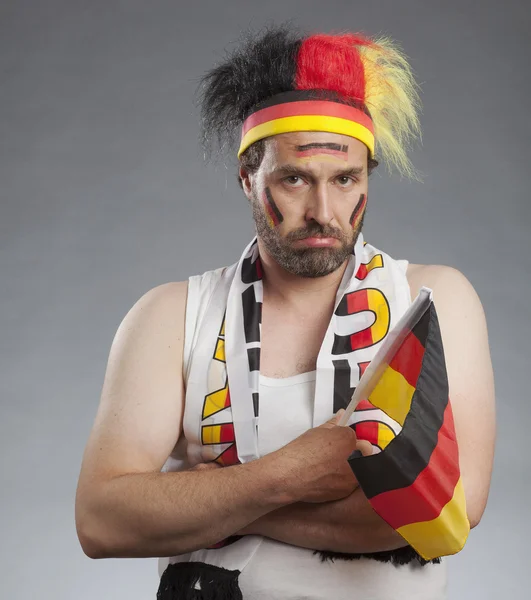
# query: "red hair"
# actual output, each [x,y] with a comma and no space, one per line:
[332,62]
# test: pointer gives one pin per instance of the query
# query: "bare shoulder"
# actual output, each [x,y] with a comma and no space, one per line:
[165,300]
[157,314]
[449,285]
[459,308]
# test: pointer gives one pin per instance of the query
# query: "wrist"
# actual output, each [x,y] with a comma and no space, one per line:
[281,482]
[254,528]
[267,479]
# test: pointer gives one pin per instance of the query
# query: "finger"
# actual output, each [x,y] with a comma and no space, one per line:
[364,447]
[338,415]
[332,422]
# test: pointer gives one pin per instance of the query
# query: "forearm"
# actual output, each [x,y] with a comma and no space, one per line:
[349,525]
[165,514]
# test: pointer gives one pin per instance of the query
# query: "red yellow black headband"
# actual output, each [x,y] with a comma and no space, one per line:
[294,111]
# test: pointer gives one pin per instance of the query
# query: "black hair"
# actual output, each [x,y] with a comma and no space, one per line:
[259,68]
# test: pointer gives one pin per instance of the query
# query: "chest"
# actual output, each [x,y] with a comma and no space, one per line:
[290,344]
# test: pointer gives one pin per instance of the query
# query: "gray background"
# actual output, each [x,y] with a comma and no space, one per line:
[104,194]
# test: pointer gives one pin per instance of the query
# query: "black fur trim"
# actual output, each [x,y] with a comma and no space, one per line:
[400,556]
[181,580]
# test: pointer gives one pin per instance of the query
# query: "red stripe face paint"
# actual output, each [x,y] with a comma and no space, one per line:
[337,150]
[357,213]
[274,216]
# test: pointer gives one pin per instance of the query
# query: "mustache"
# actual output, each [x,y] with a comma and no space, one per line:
[315,230]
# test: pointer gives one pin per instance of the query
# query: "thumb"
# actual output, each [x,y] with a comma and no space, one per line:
[333,422]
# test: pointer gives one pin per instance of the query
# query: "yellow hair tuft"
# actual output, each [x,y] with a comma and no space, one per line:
[392,97]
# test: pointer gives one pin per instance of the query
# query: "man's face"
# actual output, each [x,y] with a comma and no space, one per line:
[308,198]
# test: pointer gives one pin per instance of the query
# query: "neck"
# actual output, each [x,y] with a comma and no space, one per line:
[293,290]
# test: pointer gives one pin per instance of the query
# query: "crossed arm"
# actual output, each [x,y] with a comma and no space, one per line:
[350,525]
[125,507]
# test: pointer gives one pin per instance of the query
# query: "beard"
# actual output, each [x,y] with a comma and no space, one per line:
[304,262]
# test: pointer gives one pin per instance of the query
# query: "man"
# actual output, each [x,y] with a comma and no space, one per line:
[244,367]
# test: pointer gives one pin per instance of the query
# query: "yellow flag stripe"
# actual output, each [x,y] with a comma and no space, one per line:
[443,535]
[393,395]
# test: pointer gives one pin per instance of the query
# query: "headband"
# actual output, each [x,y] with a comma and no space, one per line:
[306,110]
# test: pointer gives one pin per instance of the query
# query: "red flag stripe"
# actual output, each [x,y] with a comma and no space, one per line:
[436,482]
[408,362]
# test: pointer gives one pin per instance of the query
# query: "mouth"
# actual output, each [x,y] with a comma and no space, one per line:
[315,241]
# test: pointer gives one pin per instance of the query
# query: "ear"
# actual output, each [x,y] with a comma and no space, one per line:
[246,181]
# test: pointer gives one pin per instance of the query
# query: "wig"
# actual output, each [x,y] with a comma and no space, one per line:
[369,75]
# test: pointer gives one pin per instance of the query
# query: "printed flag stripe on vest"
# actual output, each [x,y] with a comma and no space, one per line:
[253,356]
[413,447]
[369,299]
[376,262]
[217,434]
[252,315]
[251,271]
[216,402]
[228,457]
[432,489]
[219,353]
[342,389]
[376,432]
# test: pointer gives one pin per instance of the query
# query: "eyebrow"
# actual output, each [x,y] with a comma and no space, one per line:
[288,169]
[326,146]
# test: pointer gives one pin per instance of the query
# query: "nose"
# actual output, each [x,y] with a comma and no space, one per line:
[319,206]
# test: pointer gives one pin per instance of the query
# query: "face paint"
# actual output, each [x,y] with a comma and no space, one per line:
[274,216]
[301,261]
[357,213]
[337,150]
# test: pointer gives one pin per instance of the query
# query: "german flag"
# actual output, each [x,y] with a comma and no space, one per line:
[414,483]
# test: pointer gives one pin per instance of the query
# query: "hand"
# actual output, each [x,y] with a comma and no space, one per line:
[315,464]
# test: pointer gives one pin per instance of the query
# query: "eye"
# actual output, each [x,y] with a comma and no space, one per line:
[293,180]
[344,180]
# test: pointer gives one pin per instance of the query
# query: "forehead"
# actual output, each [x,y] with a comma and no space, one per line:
[288,145]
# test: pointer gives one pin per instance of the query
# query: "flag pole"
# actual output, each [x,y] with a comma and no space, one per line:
[386,352]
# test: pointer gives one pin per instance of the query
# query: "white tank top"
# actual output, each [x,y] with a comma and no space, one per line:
[281,571]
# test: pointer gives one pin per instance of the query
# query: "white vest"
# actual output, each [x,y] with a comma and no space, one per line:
[269,568]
